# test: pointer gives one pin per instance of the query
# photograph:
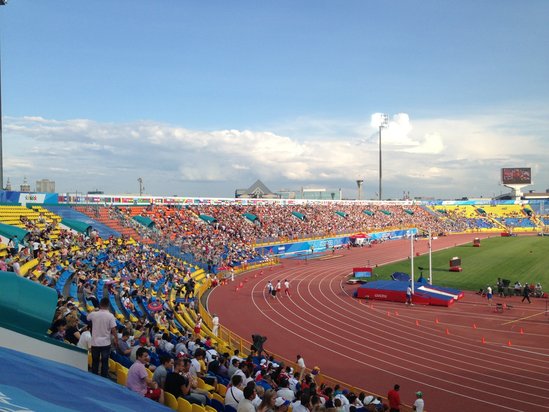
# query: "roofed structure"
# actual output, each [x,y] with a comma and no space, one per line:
[256,191]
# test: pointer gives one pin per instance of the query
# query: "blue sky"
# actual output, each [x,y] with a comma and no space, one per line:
[199,98]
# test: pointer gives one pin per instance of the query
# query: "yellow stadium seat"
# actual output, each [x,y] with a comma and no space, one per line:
[113,366]
[204,385]
[170,401]
[221,389]
[218,397]
[183,405]
[198,408]
[121,375]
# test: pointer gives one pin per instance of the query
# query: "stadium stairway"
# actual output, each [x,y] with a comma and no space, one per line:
[66,212]
[112,223]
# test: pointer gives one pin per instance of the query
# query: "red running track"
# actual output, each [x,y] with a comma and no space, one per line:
[374,346]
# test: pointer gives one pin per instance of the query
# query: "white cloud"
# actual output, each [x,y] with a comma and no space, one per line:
[440,157]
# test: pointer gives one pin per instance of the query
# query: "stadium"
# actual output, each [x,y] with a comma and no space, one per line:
[385,273]
[163,263]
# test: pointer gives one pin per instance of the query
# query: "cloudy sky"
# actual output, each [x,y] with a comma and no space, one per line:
[199,98]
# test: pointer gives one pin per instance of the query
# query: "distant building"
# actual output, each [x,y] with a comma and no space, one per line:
[45,186]
[25,187]
[256,191]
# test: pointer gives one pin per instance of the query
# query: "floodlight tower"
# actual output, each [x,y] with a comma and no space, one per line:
[359,184]
[141,187]
[2,3]
[384,123]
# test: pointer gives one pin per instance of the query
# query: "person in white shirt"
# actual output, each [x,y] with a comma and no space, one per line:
[215,325]
[293,381]
[302,367]
[16,267]
[211,355]
[236,356]
[234,393]
[103,326]
[85,339]
[284,391]
[246,405]
[287,288]
[303,404]
[419,404]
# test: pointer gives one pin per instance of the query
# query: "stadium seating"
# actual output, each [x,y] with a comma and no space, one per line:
[170,401]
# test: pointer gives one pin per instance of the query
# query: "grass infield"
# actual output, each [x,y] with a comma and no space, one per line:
[525,259]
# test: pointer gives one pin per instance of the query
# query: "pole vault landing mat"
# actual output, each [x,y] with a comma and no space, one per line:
[395,291]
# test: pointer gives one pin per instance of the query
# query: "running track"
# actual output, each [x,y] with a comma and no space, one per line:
[373,346]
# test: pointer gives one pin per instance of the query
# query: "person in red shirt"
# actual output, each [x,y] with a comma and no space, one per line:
[394,399]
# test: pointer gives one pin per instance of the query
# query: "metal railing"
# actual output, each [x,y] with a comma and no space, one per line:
[234,341]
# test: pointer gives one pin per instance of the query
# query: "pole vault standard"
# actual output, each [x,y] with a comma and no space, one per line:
[412,259]
[430,258]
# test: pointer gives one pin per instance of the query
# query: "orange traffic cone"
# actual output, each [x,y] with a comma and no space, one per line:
[447,331]
[509,343]
[521,331]
[483,341]
[436,320]
[417,322]
[474,325]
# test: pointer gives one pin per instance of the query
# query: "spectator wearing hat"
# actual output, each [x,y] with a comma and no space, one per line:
[181,347]
[343,399]
[85,338]
[419,404]
[371,403]
[394,399]
[143,343]
[281,404]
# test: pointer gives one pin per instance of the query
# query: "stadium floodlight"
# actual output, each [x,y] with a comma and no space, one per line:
[359,184]
[382,124]
[2,3]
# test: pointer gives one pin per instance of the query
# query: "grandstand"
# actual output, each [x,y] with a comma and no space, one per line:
[155,262]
